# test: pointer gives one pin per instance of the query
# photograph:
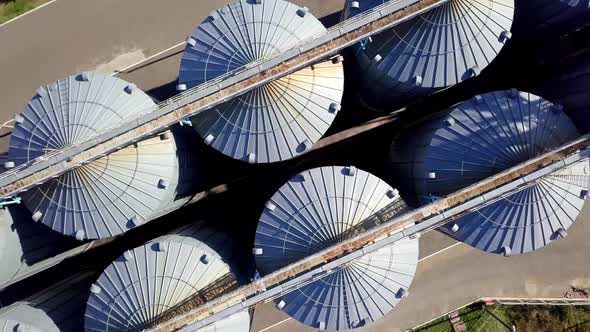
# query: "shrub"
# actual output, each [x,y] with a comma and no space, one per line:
[12,9]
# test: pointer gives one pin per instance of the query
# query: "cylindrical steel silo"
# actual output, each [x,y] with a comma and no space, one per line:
[569,87]
[108,196]
[437,49]
[139,289]
[317,209]
[476,139]
[9,325]
[530,218]
[24,243]
[549,16]
[278,120]
[56,309]
[482,137]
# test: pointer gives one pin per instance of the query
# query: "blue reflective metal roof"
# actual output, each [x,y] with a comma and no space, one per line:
[478,138]
[281,119]
[59,308]
[112,194]
[319,208]
[529,219]
[144,283]
[24,243]
[439,48]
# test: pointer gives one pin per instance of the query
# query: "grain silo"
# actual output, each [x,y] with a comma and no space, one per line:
[482,137]
[476,139]
[59,308]
[317,209]
[278,120]
[530,218]
[163,278]
[540,17]
[569,86]
[24,243]
[437,49]
[108,196]
[9,325]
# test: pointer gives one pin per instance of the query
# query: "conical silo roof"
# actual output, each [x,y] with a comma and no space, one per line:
[529,219]
[478,138]
[24,243]
[140,287]
[437,49]
[278,120]
[23,320]
[55,309]
[317,209]
[11,251]
[112,194]
[8,325]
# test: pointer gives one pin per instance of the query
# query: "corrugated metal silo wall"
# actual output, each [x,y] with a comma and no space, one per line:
[569,85]
[56,309]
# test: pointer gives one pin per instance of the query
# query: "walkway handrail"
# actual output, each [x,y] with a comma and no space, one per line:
[408,225]
[212,93]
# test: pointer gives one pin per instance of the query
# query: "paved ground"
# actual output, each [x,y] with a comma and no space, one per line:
[462,274]
[69,36]
[267,318]
[39,48]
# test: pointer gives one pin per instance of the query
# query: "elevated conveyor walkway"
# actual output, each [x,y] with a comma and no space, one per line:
[212,93]
[410,224]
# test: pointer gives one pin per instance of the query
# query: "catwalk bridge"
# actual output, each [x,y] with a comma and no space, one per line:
[392,228]
[381,231]
[211,94]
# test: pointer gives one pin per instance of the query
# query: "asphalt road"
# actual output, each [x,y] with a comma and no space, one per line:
[69,36]
[267,318]
[461,274]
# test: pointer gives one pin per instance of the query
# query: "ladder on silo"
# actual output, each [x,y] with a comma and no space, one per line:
[63,89]
[345,301]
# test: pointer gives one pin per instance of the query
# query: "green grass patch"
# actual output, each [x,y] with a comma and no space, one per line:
[550,318]
[471,315]
[440,325]
[494,319]
[498,318]
[12,9]
[490,319]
